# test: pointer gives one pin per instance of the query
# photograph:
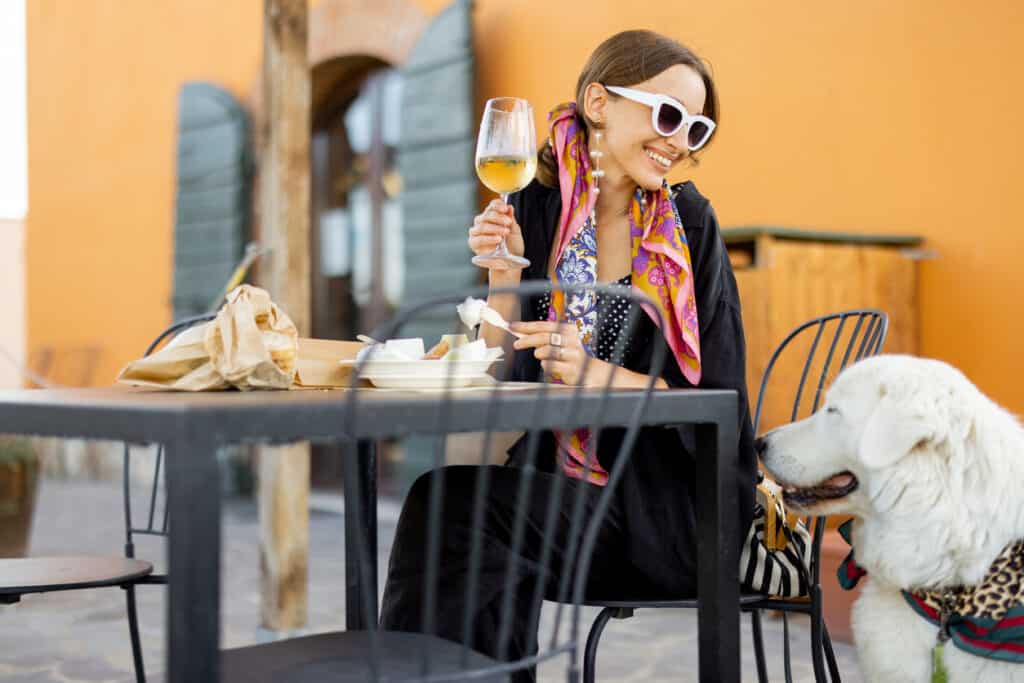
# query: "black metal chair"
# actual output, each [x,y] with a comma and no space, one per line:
[155,518]
[855,334]
[24,576]
[421,654]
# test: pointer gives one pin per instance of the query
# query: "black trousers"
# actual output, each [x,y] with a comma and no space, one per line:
[501,625]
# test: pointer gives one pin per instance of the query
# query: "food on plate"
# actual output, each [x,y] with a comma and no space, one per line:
[451,347]
[448,342]
[476,350]
[437,350]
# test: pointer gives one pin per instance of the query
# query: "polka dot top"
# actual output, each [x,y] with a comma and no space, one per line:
[613,314]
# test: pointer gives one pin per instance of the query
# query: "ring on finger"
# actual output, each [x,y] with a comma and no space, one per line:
[556,339]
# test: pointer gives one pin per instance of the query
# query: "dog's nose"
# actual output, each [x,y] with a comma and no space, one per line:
[760,444]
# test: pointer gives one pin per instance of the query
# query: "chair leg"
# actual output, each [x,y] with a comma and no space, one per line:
[830,656]
[590,653]
[787,661]
[755,628]
[817,646]
[133,629]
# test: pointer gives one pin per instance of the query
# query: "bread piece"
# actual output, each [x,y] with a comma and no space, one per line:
[438,350]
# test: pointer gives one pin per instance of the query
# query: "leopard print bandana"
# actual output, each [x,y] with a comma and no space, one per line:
[986,619]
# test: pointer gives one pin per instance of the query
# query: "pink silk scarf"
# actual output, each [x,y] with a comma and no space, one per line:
[661,269]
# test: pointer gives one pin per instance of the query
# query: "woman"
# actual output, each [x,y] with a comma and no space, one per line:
[644,104]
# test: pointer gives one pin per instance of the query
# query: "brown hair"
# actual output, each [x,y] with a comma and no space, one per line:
[625,59]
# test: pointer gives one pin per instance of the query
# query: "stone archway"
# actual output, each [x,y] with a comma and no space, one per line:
[384,30]
[346,39]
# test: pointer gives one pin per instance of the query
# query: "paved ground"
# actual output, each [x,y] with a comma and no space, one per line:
[82,636]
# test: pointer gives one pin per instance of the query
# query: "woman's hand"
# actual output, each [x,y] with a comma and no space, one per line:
[560,351]
[496,221]
[562,356]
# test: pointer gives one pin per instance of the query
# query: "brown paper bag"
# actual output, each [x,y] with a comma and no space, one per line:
[251,344]
[184,364]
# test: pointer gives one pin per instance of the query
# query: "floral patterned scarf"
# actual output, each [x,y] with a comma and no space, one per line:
[661,269]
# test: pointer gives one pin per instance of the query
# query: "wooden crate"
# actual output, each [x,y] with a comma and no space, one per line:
[786,277]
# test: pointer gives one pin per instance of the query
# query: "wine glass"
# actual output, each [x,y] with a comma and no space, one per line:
[506,159]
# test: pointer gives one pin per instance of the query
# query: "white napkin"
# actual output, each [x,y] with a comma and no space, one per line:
[394,349]
[474,311]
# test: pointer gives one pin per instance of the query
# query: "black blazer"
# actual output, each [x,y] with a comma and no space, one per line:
[723,348]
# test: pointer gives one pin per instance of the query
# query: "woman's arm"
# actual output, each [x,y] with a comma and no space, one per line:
[562,356]
[496,223]
[505,304]
[598,372]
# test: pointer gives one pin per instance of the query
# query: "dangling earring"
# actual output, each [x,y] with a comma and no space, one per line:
[596,173]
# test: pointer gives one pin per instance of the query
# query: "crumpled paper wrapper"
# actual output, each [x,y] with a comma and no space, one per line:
[251,344]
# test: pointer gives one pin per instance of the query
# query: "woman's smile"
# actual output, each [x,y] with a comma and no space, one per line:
[661,160]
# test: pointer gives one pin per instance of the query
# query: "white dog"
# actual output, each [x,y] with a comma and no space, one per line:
[933,472]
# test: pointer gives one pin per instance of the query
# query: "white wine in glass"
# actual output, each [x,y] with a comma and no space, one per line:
[506,159]
[506,174]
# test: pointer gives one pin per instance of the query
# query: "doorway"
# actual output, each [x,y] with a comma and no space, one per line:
[356,223]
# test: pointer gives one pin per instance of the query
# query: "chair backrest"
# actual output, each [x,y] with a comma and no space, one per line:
[809,358]
[564,501]
[153,520]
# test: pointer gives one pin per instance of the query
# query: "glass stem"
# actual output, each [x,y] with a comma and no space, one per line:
[502,248]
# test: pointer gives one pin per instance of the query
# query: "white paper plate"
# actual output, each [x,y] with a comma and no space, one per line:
[432,383]
[423,374]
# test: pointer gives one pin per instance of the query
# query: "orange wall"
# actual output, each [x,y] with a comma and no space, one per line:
[875,116]
[103,78]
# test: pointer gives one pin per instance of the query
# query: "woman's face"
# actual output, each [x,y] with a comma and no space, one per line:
[631,145]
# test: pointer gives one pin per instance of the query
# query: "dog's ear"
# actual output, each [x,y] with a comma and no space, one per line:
[891,433]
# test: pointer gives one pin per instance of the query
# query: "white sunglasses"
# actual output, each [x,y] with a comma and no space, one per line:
[668,116]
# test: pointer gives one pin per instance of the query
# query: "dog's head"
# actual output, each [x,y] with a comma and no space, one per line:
[930,466]
[882,432]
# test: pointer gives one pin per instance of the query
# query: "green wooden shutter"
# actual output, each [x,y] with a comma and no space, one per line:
[212,198]
[435,159]
[439,185]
